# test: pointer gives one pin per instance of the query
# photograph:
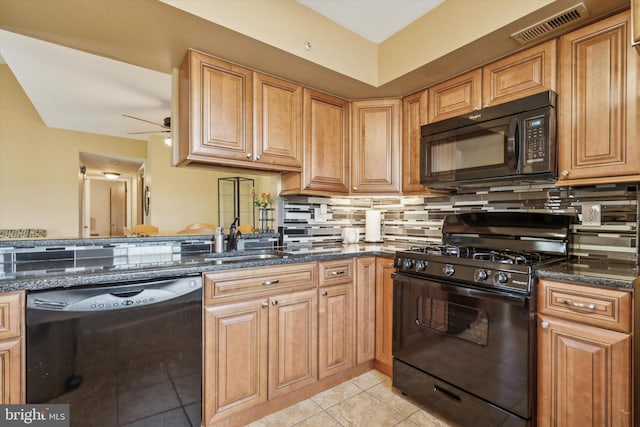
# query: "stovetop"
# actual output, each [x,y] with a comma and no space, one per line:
[490,249]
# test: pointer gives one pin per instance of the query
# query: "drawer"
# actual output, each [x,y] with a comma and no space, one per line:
[604,308]
[233,285]
[336,272]
[11,309]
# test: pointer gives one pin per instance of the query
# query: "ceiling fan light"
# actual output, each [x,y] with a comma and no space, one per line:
[111,175]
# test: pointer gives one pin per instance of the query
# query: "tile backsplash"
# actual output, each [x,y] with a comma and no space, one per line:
[308,220]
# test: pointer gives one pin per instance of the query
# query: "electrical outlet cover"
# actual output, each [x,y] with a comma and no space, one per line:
[591,215]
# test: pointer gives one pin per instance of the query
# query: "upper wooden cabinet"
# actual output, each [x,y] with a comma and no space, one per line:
[522,74]
[325,167]
[216,116]
[414,115]
[455,96]
[277,119]
[375,146]
[598,126]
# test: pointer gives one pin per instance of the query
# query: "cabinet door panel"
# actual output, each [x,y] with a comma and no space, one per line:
[277,121]
[293,335]
[598,126]
[335,329]
[414,115]
[326,142]
[375,146]
[584,375]
[455,96]
[384,310]
[11,372]
[365,309]
[235,356]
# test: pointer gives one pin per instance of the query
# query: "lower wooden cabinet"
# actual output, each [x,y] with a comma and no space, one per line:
[365,309]
[384,313]
[12,390]
[335,329]
[584,369]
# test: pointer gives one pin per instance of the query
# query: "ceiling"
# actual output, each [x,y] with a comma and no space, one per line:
[84,64]
[375,20]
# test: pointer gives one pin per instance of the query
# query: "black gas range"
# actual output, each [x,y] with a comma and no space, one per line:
[498,250]
[464,316]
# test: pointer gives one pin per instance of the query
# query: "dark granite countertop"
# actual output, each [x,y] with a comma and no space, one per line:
[52,274]
[594,272]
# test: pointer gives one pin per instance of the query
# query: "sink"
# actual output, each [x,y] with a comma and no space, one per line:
[223,258]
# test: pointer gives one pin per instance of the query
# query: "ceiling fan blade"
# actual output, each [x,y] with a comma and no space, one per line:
[145,120]
[151,131]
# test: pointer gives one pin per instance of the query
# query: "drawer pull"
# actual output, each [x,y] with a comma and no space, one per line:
[265,305]
[271,282]
[336,273]
[325,293]
[579,305]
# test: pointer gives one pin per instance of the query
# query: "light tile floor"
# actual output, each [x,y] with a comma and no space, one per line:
[367,401]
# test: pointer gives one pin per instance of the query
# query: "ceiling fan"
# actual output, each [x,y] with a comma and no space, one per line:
[165,125]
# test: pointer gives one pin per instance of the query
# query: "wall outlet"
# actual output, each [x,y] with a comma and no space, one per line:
[591,214]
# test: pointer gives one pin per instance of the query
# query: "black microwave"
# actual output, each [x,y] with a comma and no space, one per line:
[510,143]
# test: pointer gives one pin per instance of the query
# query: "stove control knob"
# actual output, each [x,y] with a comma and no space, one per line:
[407,264]
[448,270]
[421,265]
[480,275]
[500,278]
[398,262]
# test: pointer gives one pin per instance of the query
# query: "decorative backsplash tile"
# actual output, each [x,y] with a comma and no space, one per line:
[416,220]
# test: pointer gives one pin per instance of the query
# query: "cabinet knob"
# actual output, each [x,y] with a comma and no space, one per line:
[544,325]
[485,105]
[565,173]
[355,188]
[324,293]
[249,155]
[265,305]
[258,157]
[274,302]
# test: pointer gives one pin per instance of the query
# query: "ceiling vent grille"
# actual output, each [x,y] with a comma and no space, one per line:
[552,24]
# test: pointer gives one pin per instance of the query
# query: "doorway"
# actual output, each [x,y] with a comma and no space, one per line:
[107,207]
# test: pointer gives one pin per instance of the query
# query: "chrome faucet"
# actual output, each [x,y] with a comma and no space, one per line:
[232,240]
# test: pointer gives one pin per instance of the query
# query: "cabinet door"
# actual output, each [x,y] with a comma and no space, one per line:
[365,309]
[598,116]
[235,358]
[335,329]
[583,375]
[277,122]
[455,96]
[522,74]
[414,115]
[375,146]
[215,111]
[384,310]
[635,20]
[293,341]
[326,142]
[11,390]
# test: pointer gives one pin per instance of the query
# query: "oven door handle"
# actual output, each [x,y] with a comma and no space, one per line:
[519,300]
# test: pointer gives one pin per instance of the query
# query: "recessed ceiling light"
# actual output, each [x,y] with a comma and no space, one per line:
[111,175]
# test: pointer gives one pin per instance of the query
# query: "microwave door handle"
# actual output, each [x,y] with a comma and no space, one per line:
[513,142]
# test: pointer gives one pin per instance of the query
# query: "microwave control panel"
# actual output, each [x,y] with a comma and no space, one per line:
[535,141]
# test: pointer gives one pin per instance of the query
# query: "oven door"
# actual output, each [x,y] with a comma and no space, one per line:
[478,341]
[486,150]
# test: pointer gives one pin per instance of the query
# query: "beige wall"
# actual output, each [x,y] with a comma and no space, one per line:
[40,175]
[39,166]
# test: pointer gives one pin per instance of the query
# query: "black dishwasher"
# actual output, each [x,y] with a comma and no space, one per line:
[118,355]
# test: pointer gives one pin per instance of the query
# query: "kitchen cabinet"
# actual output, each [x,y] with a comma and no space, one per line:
[12,364]
[336,317]
[584,355]
[384,314]
[525,73]
[325,165]
[598,127]
[365,282]
[414,115]
[277,119]
[216,116]
[635,20]
[375,146]
[456,96]
[260,337]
